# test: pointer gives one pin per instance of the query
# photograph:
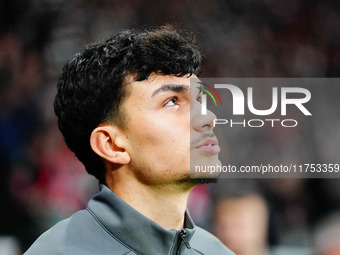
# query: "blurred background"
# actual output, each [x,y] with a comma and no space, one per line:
[41,180]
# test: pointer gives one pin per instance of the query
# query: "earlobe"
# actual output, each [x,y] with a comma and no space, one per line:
[103,142]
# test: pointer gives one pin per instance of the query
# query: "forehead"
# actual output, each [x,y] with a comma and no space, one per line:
[155,80]
[157,83]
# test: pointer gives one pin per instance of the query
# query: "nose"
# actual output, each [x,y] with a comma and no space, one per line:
[201,122]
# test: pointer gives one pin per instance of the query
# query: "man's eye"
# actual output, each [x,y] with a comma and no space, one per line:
[172,101]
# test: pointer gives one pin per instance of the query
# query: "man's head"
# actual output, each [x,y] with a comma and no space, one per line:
[117,99]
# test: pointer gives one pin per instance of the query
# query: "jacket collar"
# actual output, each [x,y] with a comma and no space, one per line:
[133,229]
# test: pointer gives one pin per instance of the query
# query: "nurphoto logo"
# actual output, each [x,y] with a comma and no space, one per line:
[296,96]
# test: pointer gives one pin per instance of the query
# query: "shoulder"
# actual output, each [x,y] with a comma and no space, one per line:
[207,243]
[79,234]
[51,241]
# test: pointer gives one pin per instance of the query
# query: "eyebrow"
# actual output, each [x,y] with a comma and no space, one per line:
[171,87]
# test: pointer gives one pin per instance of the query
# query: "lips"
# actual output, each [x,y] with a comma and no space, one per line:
[210,145]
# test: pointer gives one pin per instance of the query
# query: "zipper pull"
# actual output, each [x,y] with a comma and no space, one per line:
[183,235]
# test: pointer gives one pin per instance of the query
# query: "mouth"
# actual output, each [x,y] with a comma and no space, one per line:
[210,146]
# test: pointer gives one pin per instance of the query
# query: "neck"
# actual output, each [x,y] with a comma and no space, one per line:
[164,204]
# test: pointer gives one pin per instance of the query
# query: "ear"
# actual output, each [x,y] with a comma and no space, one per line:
[107,143]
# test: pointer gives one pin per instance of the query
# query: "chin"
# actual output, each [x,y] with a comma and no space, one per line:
[201,170]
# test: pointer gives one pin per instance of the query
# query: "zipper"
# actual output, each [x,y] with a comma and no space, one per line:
[183,238]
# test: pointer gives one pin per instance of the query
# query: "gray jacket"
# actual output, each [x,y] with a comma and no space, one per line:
[109,226]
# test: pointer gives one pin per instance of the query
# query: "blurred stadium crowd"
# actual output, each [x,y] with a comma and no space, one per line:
[42,182]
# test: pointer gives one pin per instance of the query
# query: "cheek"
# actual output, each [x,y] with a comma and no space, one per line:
[164,131]
[159,140]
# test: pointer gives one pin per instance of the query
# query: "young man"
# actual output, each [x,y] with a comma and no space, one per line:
[123,106]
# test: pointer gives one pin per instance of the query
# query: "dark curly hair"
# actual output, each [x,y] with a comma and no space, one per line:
[90,88]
